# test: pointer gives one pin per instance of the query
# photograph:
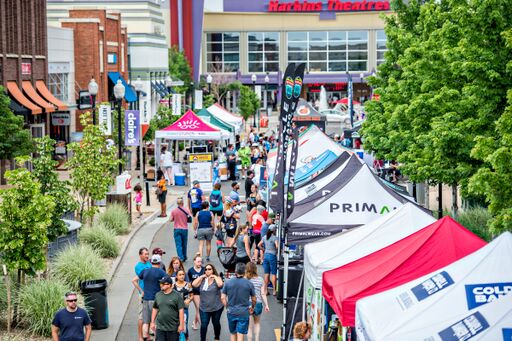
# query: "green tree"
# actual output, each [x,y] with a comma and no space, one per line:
[44,170]
[162,119]
[179,68]
[249,102]
[208,101]
[25,215]
[92,167]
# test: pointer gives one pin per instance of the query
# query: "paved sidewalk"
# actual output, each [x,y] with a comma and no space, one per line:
[120,289]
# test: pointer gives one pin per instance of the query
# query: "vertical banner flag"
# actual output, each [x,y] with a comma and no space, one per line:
[350,90]
[198,99]
[176,104]
[131,127]
[105,119]
[277,188]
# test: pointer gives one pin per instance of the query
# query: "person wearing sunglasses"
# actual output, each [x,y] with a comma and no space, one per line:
[69,322]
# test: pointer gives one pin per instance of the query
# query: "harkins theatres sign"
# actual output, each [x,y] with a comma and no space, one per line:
[327,6]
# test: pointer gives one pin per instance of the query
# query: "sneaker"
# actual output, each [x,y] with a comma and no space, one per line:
[207,259]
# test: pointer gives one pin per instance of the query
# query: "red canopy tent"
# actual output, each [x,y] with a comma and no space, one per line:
[345,101]
[423,252]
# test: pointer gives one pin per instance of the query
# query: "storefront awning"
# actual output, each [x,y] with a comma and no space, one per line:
[18,109]
[157,89]
[15,92]
[43,90]
[34,96]
[129,95]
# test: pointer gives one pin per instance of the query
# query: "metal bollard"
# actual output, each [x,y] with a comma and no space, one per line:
[147,193]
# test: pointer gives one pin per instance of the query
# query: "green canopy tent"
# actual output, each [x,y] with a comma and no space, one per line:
[206,116]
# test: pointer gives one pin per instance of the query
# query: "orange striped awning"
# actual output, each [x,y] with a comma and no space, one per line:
[34,96]
[13,89]
[43,90]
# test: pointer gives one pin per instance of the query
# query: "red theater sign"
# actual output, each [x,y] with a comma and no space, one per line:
[329,6]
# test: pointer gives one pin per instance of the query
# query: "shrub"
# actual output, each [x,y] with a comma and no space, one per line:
[76,264]
[38,303]
[476,220]
[115,218]
[100,239]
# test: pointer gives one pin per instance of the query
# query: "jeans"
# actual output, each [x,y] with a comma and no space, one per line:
[180,238]
[186,321]
[205,320]
[162,335]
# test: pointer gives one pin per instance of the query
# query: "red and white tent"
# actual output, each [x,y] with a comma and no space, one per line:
[423,252]
[189,127]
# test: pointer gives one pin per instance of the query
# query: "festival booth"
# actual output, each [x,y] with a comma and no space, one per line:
[346,247]
[207,117]
[189,127]
[418,254]
[319,173]
[354,198]
[227,117]
[462,296]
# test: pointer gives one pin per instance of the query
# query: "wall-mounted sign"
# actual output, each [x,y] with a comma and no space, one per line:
[132,126]
[327,6]
[105,119]
[61,119]
[26,68]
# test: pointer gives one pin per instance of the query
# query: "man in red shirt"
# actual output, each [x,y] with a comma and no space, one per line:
[179,216]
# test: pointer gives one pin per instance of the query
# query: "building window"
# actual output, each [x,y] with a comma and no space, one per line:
[222,52]
[263,50]
[58,85]
[381,46]
[111,58]
[333,51]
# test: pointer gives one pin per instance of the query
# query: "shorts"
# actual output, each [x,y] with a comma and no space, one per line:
[138,204]
[255,238]
[244,259]
[162,197]
[238,325]
[230,233]
[246,163]
[195,210]
[204,234]
[147,308]
[258,309]
[217,213]
[140,307]
[270,264]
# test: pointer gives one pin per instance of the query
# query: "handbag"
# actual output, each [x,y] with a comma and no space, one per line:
[189,217]
[158,191]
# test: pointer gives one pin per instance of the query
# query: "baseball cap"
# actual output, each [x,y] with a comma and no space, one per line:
[158,251]
[166,279]
[272,215]
[156,259]
[195,182]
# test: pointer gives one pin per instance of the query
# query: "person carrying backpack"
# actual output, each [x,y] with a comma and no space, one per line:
[216,203]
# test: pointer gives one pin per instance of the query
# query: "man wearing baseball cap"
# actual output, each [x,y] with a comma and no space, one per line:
[159,251]
[168,314]
[195,198]
[151,278]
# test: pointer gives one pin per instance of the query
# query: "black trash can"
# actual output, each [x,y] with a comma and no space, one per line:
[95,297]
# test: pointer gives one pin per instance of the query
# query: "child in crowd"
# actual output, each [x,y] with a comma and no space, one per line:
[138,198]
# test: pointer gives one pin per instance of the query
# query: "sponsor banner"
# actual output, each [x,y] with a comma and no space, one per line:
[105,119]
[290,198]
[465,329]
[479,294]
[131,127]
[424,290]
[200,157]
[507,334]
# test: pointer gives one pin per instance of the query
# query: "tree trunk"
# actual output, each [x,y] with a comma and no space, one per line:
[455,206]
[427,196]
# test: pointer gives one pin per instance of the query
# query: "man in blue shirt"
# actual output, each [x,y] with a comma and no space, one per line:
[139,267]
[237,292]
[234,193]
[195,198]
[68,323]
[151,278]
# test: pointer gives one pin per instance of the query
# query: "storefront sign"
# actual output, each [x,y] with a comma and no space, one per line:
[61,119]
[26,68]
[327,6]
[131,126]
[105,119]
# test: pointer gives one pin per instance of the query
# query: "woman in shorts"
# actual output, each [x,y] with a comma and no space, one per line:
[204,228]
[229,221]
[162,195]
[251,273]
[270,243]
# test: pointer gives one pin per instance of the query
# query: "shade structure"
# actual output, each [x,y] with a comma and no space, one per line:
[228,130]
[435,301]
[189,127]
[16,93]
[354,198]
[43,90]
[333,168]
[222,114]
[345,101]
[34,96]
[423,252]
[346,247]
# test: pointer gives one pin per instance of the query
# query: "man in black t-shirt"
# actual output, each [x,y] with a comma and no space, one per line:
[68,323]
[248,183]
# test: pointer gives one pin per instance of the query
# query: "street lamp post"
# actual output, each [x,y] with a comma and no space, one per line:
[209,80]
[253,79]
[193,93]
[168,84]
[119,94]
[267,80]
[138,89]
[93,91]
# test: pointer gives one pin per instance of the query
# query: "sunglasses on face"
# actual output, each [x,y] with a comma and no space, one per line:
[209,269]
[71,300]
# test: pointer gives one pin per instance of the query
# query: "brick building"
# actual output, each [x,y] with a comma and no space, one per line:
[23,63]
[100,52]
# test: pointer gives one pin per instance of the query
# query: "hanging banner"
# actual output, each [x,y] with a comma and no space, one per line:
[290,198]
[257,90]
[350,90]
[105,119]
[131,127]
[176,104]
[198,99]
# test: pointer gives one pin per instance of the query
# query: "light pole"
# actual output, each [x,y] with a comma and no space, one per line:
[138,89]
[267,80]
[209,80]
[253,79]
[168,84]
[119,94]
[93,91]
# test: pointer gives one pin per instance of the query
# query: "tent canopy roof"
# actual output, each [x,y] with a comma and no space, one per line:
[427,250]
[189,127]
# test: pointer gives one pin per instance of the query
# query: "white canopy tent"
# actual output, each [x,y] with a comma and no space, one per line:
[225,116]
[439,297]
